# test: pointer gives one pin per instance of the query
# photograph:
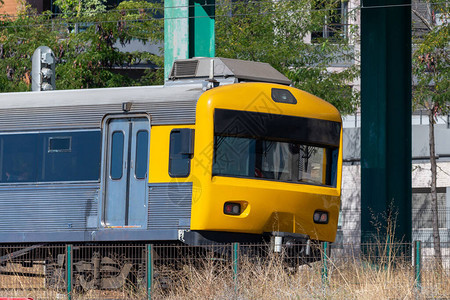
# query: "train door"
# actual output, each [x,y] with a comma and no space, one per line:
[125,174]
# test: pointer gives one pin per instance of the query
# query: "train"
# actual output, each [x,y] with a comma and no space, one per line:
[225,151]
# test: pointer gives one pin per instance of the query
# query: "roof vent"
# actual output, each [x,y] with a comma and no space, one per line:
[219,68]
[184,68]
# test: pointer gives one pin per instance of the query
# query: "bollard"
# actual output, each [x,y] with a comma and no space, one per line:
[149,270]
[69,271]
[418,264]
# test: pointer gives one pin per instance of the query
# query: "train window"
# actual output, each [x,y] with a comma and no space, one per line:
[273,160]
[232,156]
[71,156]
[48,157]
[18,157]
[276,147]
[310,164]
[180,152]
[116,163]
[60,144]
[141,154]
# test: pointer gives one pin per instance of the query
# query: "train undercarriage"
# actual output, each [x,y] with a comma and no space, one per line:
[112,267]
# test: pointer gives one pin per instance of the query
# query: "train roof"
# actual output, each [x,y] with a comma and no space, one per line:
[72,109]
[100,96]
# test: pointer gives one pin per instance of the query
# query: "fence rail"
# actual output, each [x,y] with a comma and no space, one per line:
[144,271]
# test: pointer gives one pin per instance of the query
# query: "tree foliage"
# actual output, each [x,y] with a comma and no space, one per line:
[78,8]
[85,39]
[86,44]
[431,63]
[276,32]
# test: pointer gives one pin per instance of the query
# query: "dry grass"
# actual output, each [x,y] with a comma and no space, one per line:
[269,278]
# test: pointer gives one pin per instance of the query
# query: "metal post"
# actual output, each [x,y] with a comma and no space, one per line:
[386,118]
[43,69]
[149,270]
[325,263]
[201,28]
[447,206]
[176,32]
[235,254]
[69,271]
[188,30]
[418,264]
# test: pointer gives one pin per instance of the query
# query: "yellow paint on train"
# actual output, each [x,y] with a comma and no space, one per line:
[159,155]
[267,205]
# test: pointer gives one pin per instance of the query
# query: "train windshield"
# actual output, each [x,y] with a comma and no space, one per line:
[275,147]
[281,161]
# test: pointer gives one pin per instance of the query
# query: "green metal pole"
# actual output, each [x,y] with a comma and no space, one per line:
[325,263]
[418,265]
[149,271]
[235,254]
[201,28]
[386,119]
[188,30]
[69,271]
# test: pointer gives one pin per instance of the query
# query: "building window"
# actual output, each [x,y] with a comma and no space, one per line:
[334,22]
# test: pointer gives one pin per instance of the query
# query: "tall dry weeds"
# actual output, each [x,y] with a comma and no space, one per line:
[387,275]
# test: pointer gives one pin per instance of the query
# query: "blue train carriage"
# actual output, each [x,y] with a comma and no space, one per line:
[225,151]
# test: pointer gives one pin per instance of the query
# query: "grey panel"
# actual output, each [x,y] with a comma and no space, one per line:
[48,207]
[420,145]
[90,116]
[87,236]
[255,71]
[242,70]
[174,112]
[169,205]
[133,235]
[351,141]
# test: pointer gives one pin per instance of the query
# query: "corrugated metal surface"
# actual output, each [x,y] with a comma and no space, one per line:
[90,116]
[186,68]
[169,205]
[179,112]
[47,207]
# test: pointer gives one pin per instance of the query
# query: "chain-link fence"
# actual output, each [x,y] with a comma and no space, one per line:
[231,271]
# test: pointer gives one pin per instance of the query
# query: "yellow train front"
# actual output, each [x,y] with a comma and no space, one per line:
[266,162]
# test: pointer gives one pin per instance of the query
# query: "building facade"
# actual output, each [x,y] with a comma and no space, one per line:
[12,7]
